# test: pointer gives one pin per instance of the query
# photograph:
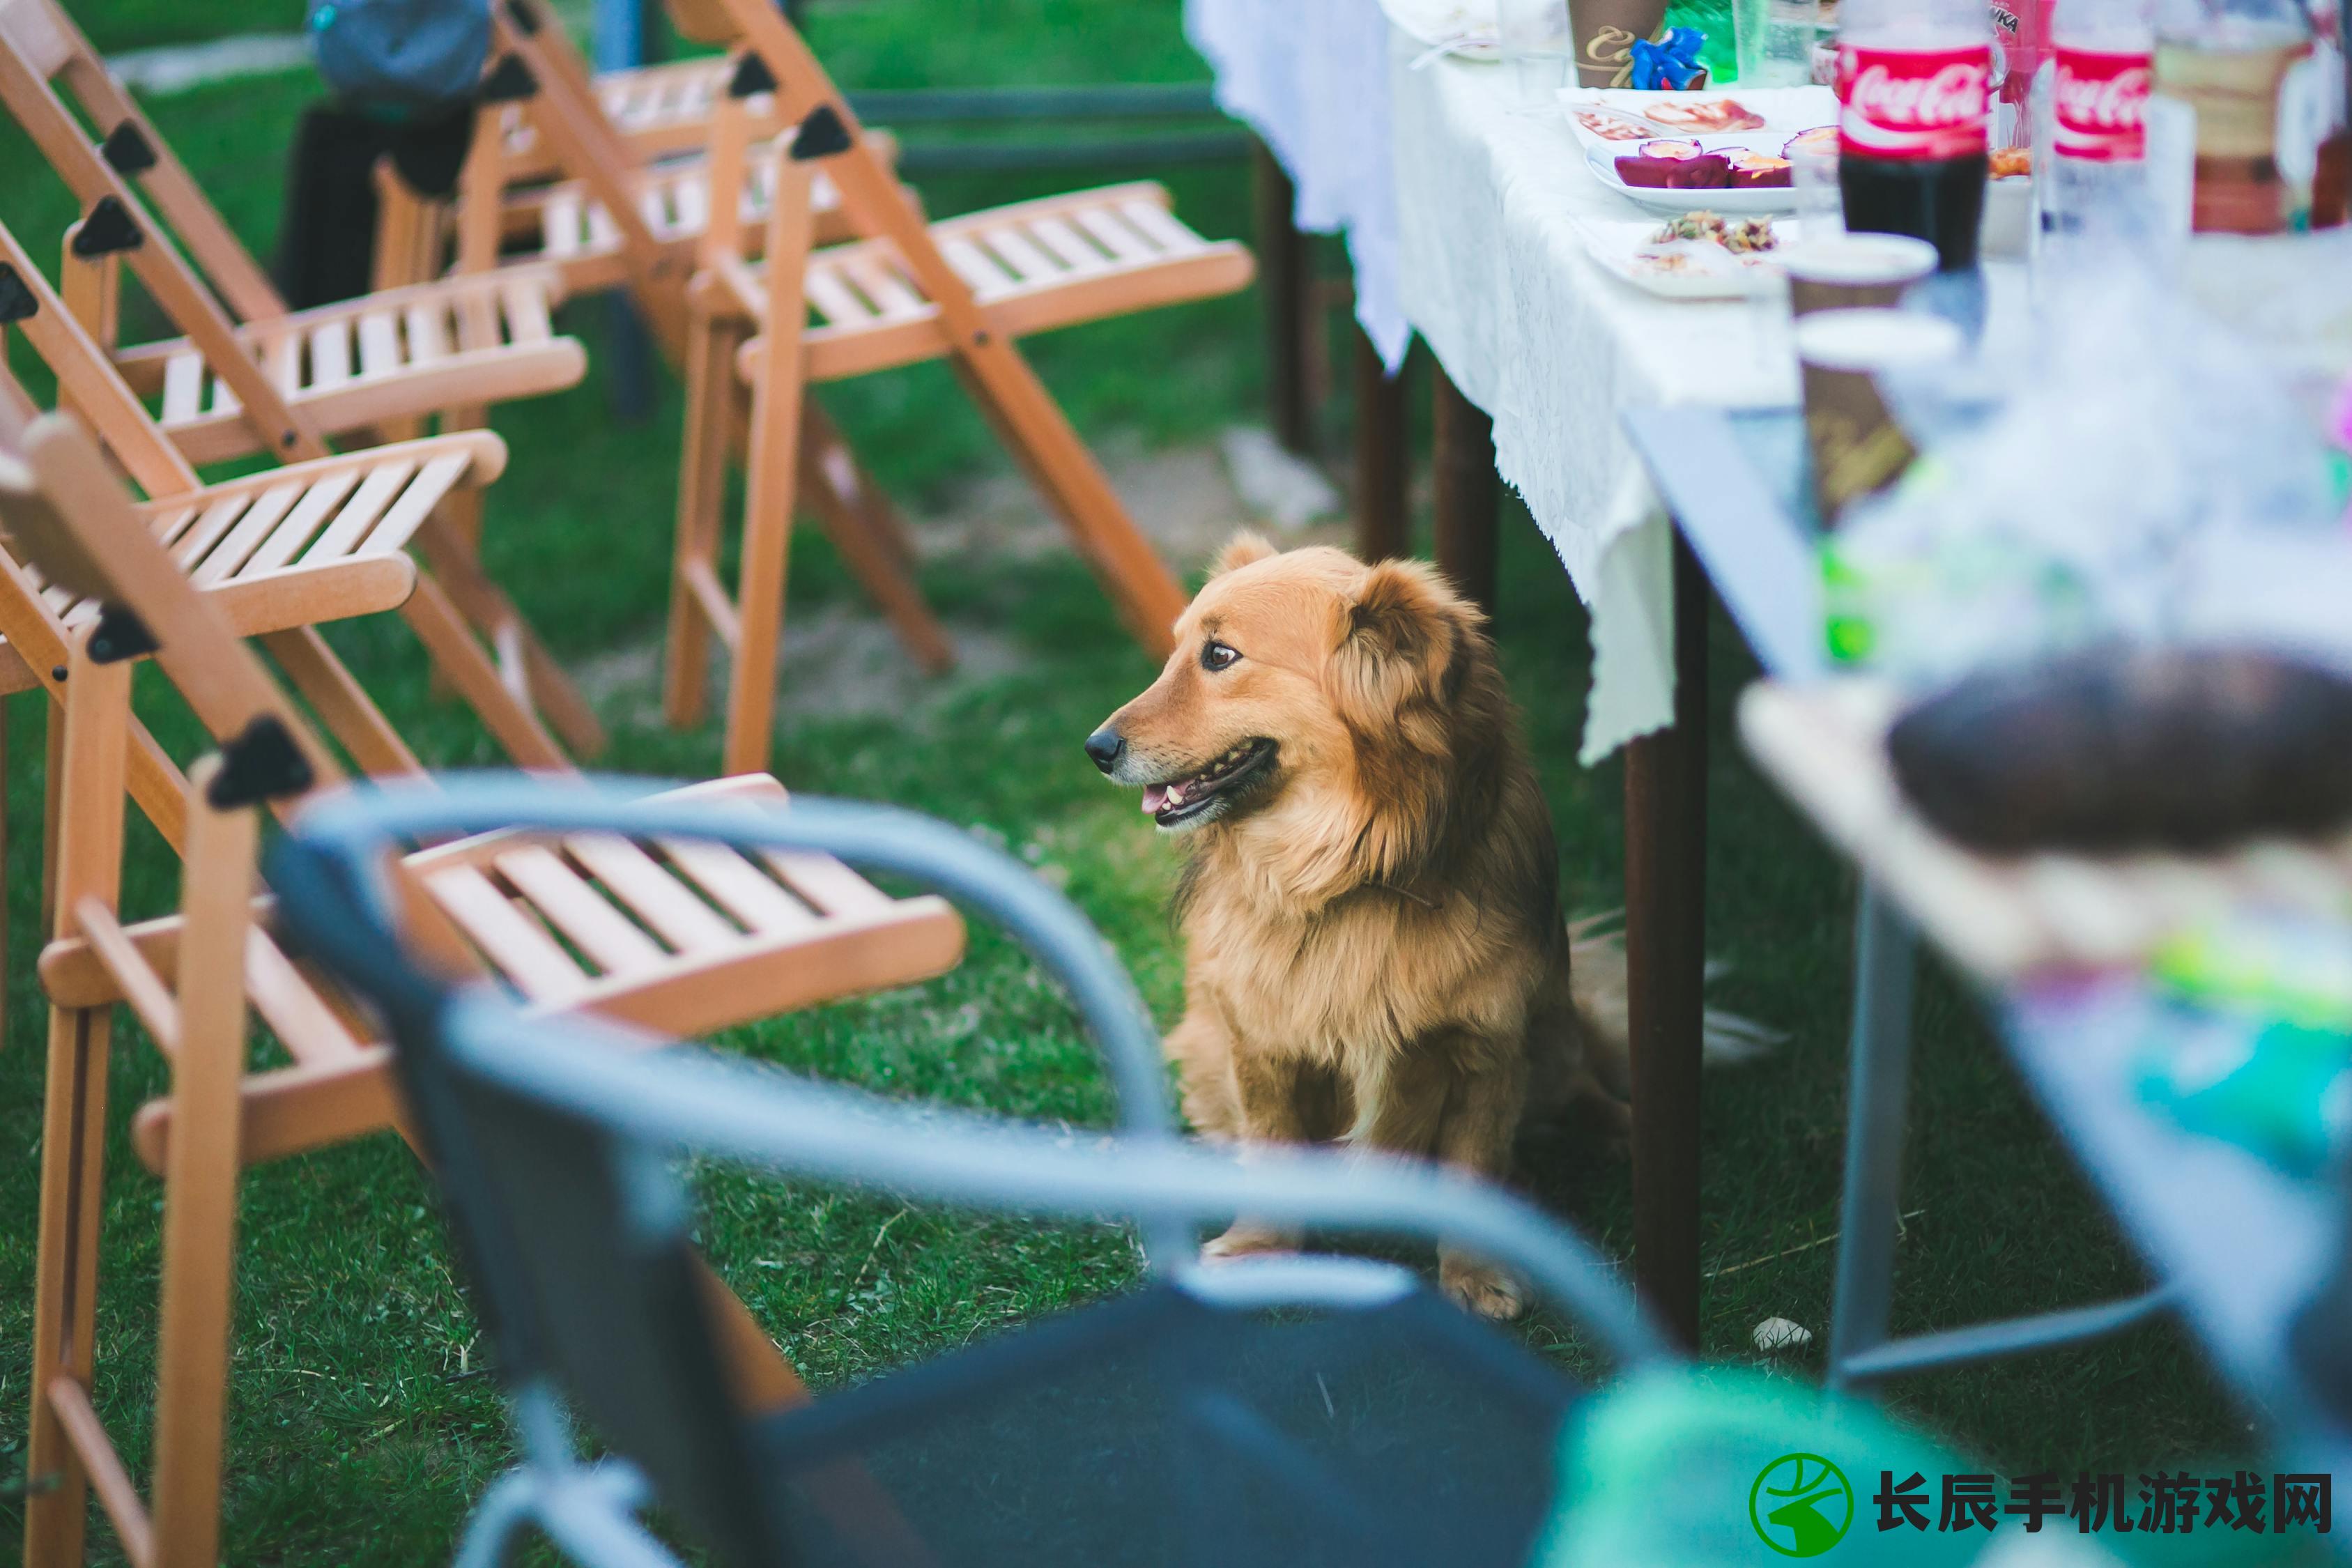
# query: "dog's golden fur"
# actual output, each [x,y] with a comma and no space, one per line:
[1375,948]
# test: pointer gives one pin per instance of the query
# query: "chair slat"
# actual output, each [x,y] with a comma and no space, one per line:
[983,276]
[379,343]
[302,521]
[740,887]
[350,524]
[516,945]
[604,233]
[1067,247]
[833,299]
[259,518]
[890,294]
[656,897]
[1014,251]
[526,311]
[558,222]
[1160,226]
[167,526]
[191,534]
[415,504]
[428,333]
[565,900]
[1114,236]
[827,885]
[330,354]
[184,387]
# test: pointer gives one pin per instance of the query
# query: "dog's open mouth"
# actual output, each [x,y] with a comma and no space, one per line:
[1190,799]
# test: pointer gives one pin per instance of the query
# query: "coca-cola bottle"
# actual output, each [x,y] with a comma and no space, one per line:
[2093,127]
[1914,79]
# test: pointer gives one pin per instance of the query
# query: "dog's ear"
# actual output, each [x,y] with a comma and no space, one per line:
[1402,640]
[1241,549]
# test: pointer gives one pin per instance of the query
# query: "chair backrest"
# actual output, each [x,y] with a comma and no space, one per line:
[41,51]
[88,381]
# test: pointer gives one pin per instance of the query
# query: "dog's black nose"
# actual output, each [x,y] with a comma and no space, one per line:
[1106,746]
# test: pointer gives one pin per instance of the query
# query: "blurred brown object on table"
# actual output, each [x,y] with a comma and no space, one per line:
[2119,748]
[1857,448]
[2229,71]
[1603,34]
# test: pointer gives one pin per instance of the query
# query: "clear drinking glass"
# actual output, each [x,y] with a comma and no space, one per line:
[1774,41]
[1821,207]
[1535,41]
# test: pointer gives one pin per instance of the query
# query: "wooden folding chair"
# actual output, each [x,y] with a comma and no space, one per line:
[686,938]
[375,504]
[250,375]
[615,220]
[963,290]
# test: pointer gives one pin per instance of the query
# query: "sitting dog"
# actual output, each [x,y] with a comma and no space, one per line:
[1375,949]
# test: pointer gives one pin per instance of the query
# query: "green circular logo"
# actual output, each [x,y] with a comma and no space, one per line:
[1801,1506]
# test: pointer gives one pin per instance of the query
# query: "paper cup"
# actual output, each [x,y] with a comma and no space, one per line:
[1854,271]
[1603,32]
[1856,447]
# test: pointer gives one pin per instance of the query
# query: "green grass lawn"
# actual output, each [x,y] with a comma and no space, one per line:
[362,1426]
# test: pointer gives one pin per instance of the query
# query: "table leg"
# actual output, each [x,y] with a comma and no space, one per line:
[1382,461]
[1878,1094]
[1665,952]
[1468,492]
[1286,277]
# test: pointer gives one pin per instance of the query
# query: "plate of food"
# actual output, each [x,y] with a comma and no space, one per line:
[1696,255]
[1466,29]
[1745,173]
[1600,115]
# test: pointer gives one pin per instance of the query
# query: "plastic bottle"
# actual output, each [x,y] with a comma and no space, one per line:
[2090,114]
[1915,80]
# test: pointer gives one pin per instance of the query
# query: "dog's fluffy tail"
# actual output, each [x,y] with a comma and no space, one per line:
[1597,976]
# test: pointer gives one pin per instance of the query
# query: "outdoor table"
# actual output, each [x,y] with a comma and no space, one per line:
[1530,333]
[2239,1245]
[1309,77]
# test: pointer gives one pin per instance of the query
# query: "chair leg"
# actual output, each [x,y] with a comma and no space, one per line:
[450,641]
[1035,430]
[90,743]
[543,683]
[767,546]
[200,1187]
[1877,1099]
[864,527]
[711,390]
[351,716]
[65,1296]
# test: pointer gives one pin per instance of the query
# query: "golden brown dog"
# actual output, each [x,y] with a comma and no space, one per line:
[1375,949]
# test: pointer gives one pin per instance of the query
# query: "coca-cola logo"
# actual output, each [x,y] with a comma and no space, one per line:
[2100,102]
[1922,104]
[1953,95]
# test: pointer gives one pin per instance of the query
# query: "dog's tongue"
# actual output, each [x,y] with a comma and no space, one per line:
[1154,797]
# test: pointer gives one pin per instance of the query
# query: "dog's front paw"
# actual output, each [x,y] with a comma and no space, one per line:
[1480,1287]
[1245,1240]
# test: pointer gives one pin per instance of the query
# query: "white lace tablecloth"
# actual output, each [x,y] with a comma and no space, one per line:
[1495,278]
[1310,77]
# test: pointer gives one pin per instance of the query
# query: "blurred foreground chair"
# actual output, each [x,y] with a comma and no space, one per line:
[962,290]
[680,937]
[1294,1411]
[247,374]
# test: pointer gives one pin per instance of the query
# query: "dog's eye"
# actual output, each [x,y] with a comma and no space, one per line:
[1217,656]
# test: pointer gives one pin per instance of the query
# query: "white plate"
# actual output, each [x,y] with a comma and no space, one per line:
[1785,109]
[1749,202]
[1619,246]
[1468,26]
